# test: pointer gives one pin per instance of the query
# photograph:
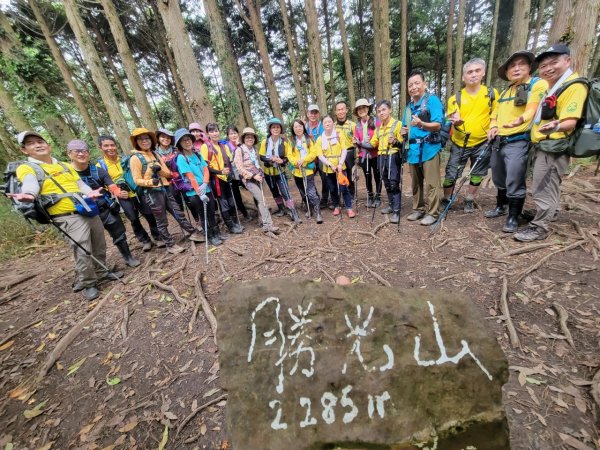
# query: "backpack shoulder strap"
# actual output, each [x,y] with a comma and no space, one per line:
[94,172]
[568,84]
[491,97]
[102,164]
[39,172]
[457,97]
[423,107]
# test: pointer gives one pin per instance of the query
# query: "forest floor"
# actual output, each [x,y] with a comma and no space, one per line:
[145,369]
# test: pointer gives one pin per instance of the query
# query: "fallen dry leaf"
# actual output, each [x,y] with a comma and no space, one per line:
[570,440]
[128,427]
[7,345]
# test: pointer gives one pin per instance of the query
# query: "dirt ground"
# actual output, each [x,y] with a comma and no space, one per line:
[144,371]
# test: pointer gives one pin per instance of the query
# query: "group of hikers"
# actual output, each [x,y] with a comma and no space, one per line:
[193,170]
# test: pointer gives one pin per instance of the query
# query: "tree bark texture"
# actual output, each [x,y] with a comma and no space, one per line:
[100,79]
[12,111]
[329,55]
[460,43]
[314,48]
[129,64]
[383,30]
[449,33]
[377,69]
[346,52]
[403,55]
[490,71]
[520,25]
[294,65]
[185,60]
[538,24]
[582,46]
[562,22]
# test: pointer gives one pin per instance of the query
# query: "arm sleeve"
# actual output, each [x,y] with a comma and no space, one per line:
[343,157]
[105,178]
[164,170]
[535,97]
[292,156]
[84,188]
[436,109]
[190,176]
[30,184]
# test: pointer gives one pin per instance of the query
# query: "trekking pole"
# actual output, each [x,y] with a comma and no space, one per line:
[462,154]
[237,214]
[77,244]
[305,182]
[455,193]
[355,179]
[205,226]
[367,177]
[377,186]
[402,150]
[287,190]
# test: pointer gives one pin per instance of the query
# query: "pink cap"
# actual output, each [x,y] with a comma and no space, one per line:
[194,126]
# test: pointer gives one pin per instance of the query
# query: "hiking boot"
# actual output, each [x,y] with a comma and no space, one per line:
[500,209]
[531,233]
[377,201]
[196,237]
[146,246]
[270,229]
[126,254]
[370,201]
[387,210]
[213,236]
[337,211]
[294,215]
[175,249]
[515,206]
[160,244]
[112,276]
[395,217]
[131,261]
[415,215]
[233,227]
[351,214]
[280,210]
[469,205]
[91,293]
[319,217]
[428,220]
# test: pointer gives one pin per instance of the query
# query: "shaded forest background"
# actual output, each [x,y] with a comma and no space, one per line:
[80,68]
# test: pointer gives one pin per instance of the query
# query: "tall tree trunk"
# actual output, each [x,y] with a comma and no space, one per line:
[365,88]
[10,149]
[129,64]
[235,94]
[12,111]
[403,54]
[314,47]
[586,18]
[329,55]
[301,73]
[64,68]
[116,76]
[346,51]
[295,67]
[538,24]
[562,22]
[488,76]
[520,25]
[185,60]
[460,42]
[595,67]
[100,79]
[449,32]
[255,22]
[377,69]
[381,26]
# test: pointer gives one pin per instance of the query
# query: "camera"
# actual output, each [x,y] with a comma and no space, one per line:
[521,95]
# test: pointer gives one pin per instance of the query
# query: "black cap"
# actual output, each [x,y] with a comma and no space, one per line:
[530,56]
[556,49]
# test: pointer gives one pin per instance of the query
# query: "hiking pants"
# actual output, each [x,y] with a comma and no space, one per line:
[280,189]
[389,168]
[113,223]
[226,201]
[548,168]
[371,171]
[256,190]
[458,160]
[178,197]
[89,233]
[335,189]
[324,185]
[160,201]
[237,196]
[509,168]
[426,184]
[196,206]
[132,208]
[311,190]
[350,161]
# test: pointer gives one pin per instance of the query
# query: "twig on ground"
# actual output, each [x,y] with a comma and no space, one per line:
[380,226]
[222,266]
[563,316]
[234,250]
[478,258]
[527,249]
[124,322]
[292,226]
[512,332]
[210,316]
[12,282]
[15,333]
[197,410]
[366,233]
[170,289]
[9,297]
[376,275]
[447,277]
[448,240]
[327,274]
[194,249]
[541,261]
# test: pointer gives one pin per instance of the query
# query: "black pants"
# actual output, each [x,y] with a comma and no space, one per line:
[236,185]
[178,197]
[350,161]
[371,171]
[160,201]
[224,196]
[389,167]
[132,208]
[324,185]
[113,223]
[197,207]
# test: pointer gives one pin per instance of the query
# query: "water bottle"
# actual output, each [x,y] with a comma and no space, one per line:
[596,127]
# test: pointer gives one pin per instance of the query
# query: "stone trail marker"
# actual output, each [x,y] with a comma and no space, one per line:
[320,366]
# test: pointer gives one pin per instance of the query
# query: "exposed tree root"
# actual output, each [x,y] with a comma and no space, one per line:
[512,332]
[563,316]
[541,261]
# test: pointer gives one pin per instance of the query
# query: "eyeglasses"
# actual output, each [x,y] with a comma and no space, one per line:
[80,151]
[145,138]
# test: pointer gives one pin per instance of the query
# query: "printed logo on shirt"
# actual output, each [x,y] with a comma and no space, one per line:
[572,107]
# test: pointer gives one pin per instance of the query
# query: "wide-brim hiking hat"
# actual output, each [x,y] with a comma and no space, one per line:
[530,57]
[247,131]
[163,131]
[195,126]
[274,121]
[556,49]
[140,131]
[180,134]
[77,144]
[362,102]
[25,134]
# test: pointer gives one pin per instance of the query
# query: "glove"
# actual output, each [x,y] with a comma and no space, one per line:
[156,168]
[155,181]
[203,187]
[204,198]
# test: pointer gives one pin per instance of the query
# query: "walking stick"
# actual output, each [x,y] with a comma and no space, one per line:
[402,150]
[305,183]
[237,214]
[204,202]
[287,190]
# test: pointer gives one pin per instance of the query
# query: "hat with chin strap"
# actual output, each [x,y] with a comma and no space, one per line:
[530,58]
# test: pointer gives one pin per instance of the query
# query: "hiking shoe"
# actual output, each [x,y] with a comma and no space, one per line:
[319,217]
[395,217]
[280,211]
[496,212]
[377,201]
[270,229]
[415,215]
[175,249]
[370,201]
[351,214]
[337,211]
[91,293]
[131,261]
[146,246]
[160,244]
[531,233]
[112,276]
[197,237]
[428,220]
[387,210]
[469,206]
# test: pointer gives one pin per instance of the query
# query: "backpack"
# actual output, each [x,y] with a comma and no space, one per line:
[434,137]
[583,142]
[36,210]
[491,95]
[181,183]
[127,175]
